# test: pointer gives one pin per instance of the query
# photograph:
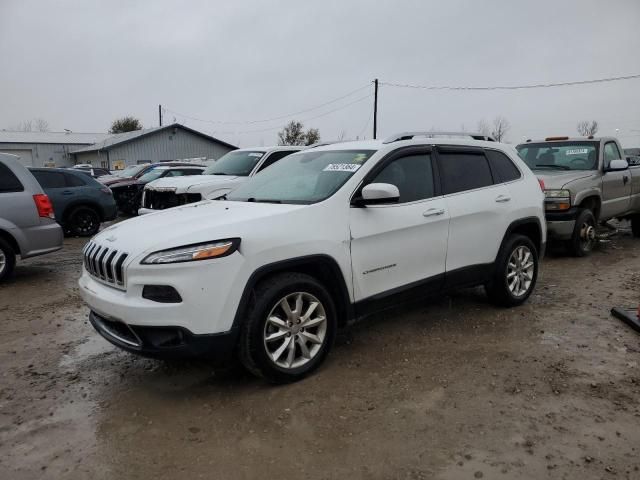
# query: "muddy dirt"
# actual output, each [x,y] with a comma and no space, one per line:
[447,389]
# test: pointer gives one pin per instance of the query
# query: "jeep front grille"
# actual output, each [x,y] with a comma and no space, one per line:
[105,264]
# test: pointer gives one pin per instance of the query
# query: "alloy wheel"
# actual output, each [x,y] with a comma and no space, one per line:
[520,270]
[295,330]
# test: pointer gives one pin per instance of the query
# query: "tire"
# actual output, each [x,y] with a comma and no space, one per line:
[515,256]
[635,226]
[7,260]
[273,359]
[83,222]
[583,238]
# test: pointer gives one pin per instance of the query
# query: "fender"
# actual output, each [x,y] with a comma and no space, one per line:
[521,222]
[302,264]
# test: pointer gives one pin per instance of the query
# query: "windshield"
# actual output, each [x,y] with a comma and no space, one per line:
[307,177]
[560,155]
[235,163]
[130,171]
[152,174]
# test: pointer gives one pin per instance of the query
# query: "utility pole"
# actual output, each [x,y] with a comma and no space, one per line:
[375,109]
[160,114]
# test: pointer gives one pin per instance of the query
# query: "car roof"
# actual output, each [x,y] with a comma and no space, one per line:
[284,148]
[381,144]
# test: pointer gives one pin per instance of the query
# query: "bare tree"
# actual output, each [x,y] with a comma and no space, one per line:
[293,134]
[40,125]
[24,126]
[342,136]
[586,128]
[484,128]
[500,128]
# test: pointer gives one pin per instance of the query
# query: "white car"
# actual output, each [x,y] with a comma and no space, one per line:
[218,179]
[322,237]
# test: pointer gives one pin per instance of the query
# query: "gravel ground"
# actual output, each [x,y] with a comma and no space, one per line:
[449,389]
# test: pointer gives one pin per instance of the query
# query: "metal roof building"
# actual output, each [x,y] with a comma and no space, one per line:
[157,144]
[60,149]
[46,148]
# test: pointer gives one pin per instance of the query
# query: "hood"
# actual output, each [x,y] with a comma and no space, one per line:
[112,180]
[555,179]
[194,223]
[123,183]
[192,183]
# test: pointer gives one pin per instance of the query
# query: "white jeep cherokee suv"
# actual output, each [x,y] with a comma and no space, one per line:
[322,237]
[218,179]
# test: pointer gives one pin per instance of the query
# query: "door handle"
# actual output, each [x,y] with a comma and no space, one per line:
[67,192]
[625,179]
[432,212]
[503,198]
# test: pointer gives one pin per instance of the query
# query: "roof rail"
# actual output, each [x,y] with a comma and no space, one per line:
[410,135]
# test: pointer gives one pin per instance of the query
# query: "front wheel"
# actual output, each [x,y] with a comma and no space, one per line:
[290,328]
[516,272]
[583,238]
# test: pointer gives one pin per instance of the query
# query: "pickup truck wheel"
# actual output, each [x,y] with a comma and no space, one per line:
[635,226]
[515,274]
[584,234]
[290,328]
[7,260]
[83,222]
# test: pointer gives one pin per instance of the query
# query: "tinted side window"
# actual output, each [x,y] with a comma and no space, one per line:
[273,158]
[8,181]
[50,179]
[502,167]
[191,171]
[74,181]
[463,171]
[413,175]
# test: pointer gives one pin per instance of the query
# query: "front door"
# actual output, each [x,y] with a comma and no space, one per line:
[616,186]
[398,246]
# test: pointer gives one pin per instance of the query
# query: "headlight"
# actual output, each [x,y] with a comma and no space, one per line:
[190,253]
[557,194]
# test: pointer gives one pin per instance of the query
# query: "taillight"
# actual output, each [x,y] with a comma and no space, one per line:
[43,204]
[541,182]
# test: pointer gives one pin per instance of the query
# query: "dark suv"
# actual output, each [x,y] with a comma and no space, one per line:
[80,202]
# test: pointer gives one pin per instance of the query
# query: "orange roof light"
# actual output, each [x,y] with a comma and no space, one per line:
[551,139]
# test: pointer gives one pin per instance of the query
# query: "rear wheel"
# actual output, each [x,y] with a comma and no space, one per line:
[83,221]
[583,238]
[290,328]
[635,226]
[7,260]
[515,274]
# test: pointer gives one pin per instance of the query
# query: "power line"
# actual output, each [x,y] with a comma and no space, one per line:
[302,120]
[273,119]
[511,87]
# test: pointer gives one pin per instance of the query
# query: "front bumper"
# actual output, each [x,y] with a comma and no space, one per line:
[164,342]
[560,225]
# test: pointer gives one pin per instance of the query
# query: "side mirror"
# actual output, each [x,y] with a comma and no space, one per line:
[617,165]
[378,193]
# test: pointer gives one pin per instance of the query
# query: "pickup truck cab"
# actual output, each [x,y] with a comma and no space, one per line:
[587,181]
[218,179]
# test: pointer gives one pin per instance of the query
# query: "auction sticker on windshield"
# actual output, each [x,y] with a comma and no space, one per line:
[578,151]
[341,167]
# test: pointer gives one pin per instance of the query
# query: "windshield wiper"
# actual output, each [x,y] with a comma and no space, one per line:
[558,167]
[262,200]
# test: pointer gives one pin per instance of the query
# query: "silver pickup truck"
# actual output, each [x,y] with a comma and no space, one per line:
[587,181]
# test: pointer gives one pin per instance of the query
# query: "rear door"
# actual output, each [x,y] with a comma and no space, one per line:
[400,245]
[479,212]
[616,186]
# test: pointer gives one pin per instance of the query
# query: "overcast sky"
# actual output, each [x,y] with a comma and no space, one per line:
[80,64]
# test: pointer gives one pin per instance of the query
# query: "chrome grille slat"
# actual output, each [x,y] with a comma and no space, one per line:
[105,264]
